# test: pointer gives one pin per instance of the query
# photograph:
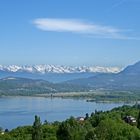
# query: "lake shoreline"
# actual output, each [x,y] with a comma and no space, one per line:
[97,96]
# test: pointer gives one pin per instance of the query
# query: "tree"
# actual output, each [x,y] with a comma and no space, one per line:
[87,116]
[37,132]
[63,132]
[90,135]
[6,130]
[70,130]
[0,129]
[138,121]
[118,130]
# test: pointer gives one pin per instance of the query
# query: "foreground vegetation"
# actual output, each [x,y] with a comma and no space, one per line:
[109,125]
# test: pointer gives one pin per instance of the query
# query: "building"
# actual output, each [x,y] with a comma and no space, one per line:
[129,119]
[80,119]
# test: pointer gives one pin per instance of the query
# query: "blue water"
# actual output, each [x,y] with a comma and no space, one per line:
[19,111]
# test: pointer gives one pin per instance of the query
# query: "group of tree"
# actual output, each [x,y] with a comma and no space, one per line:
[108,125]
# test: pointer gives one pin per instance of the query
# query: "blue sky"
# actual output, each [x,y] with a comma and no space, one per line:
[70,32]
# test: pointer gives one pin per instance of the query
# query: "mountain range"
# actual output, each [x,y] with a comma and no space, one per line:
[54,73]
[58,69]
[127,79]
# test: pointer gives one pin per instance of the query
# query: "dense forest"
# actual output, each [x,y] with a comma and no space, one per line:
[122,123]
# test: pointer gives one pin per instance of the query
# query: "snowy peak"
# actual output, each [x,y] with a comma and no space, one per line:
[59,69]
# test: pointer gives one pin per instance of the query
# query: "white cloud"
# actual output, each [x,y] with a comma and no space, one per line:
[78,26]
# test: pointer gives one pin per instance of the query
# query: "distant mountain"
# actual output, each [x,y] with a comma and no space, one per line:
[24,86]
[128,79]
[132,69]
[54,73]
[58,69]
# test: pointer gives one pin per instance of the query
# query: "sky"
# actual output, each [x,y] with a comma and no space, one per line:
[70,32]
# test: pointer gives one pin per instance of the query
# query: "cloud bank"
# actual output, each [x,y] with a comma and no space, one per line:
[78,26]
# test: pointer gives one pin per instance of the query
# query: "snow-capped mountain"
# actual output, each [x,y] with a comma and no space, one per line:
[43,69]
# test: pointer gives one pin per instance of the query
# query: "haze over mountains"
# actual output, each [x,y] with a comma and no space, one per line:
[54,73]
[127,79]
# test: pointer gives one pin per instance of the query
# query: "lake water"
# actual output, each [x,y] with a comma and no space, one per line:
[19,111]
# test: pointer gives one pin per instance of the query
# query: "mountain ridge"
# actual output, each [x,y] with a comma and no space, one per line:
[26,86]
[42,69]
[127,79]
[54,73]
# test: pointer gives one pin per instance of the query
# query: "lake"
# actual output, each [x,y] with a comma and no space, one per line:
[19,111]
